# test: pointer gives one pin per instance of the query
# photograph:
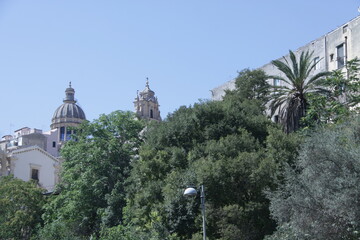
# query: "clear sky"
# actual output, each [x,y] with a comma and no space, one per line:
[107,49]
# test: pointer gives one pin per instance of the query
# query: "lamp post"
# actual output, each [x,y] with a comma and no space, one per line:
[192,192]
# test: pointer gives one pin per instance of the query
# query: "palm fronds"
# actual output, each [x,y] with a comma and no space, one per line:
[290,99]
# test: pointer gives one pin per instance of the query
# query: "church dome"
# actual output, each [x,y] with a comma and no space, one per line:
[69,113]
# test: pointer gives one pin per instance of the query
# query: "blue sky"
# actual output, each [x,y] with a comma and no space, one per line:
[108,48]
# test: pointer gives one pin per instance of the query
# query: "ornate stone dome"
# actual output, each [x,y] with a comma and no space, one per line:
[69,113]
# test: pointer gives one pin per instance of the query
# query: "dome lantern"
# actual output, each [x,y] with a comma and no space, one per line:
[70,94]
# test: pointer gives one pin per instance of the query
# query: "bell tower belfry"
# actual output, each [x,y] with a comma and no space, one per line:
[146,104]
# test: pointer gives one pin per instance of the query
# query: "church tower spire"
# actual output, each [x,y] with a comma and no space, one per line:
[146,104]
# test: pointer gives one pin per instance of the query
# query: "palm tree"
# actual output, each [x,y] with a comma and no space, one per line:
[290,100]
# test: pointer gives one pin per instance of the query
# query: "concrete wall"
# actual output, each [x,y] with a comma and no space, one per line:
[52,136]
[3,163]
[33,139]
[322,47]
[219,92]
[354,38]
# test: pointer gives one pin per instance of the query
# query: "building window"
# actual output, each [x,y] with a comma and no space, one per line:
[151,113]
[340,56]
[331,57]
[35,174]
[62,134]
[68,134]
[316,63]
[54,144]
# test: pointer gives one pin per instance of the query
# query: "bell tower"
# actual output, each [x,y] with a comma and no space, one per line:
[146,104]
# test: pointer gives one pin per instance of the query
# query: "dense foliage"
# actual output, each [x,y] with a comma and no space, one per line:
[339,101]
[123,180]
[319,199]
[229,147]
[20,208]
[252,85]
[91,193]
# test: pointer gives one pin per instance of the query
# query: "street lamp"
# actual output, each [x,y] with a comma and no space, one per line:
[192,192]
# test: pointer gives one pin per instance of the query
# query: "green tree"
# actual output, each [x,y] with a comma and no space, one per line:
[20,208]
[58,230]
[252,85]
[291,99]
[285,232]
[223,145]
[96,165]
[341,99]
[319,198]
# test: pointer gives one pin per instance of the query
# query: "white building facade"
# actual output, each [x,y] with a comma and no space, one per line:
[34,163]
[31,154]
